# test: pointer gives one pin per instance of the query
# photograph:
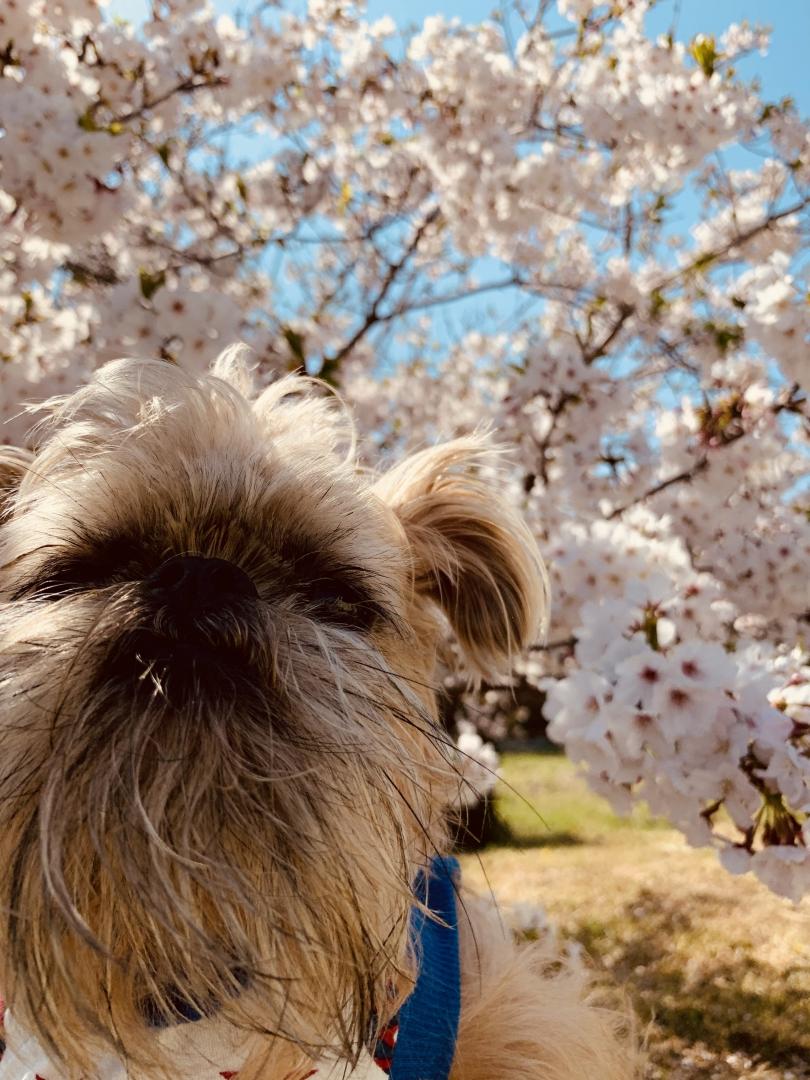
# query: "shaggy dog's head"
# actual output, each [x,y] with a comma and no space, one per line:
[220,766]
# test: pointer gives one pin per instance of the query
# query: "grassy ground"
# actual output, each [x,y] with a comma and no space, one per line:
[717,966]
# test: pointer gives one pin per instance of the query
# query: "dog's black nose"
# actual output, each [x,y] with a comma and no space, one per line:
[196,582]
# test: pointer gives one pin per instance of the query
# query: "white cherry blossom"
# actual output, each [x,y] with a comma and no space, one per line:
[461,228]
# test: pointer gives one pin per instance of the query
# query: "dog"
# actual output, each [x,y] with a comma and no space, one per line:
[223,785]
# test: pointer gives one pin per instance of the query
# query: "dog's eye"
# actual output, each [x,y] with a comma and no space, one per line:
[58,580]
[109,560]
[335,593]
[342,604]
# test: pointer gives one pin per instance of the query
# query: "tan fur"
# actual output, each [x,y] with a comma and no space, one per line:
[523,1011]
[474,555]
[13,465]
[242,799]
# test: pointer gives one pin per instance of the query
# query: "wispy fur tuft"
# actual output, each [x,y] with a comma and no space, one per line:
[473,554]
[13,465]
[523,1016]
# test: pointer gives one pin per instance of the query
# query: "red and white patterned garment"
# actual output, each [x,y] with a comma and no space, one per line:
[205,1050]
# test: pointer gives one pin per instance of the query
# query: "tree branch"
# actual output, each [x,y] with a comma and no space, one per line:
[549,646]
[792,401]
[330,363]
[682,477]
[188,86]
[595,351]
[709,257]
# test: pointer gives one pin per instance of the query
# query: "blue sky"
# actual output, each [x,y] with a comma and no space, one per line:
[783,72]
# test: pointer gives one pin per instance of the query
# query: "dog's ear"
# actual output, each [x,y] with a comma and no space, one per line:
[473,553]
[14,464]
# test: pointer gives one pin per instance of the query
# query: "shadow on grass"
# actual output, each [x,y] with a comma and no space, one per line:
[485,825]
[546,803]
[553,838]
[728,1003]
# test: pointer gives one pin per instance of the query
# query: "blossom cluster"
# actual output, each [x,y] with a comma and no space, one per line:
[468,226]
[713,740]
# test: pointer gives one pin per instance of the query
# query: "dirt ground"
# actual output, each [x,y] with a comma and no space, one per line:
[717,967]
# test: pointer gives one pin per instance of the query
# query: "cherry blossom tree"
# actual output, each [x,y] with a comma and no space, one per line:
[552,224]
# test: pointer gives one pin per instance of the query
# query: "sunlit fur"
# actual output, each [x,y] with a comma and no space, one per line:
[524,1015]
[233,809]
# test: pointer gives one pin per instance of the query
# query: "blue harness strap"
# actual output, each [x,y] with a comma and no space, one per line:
[420,1042]
[428,1021]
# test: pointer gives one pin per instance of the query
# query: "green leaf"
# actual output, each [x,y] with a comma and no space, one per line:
[151,282]
[658,302]
[29,315]
[704,51]
[345,197]
[703,262]
[786,105]
[295,342]
[7,57]
[87,121]
[726,335]
[656,212]
[649,628]
[329,369]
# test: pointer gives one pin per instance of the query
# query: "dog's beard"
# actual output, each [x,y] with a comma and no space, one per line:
[184,821]
[229,810]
